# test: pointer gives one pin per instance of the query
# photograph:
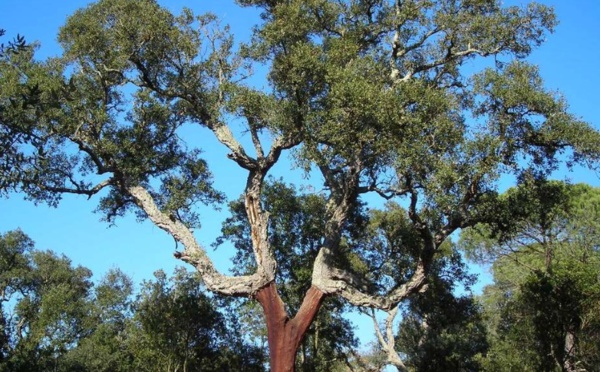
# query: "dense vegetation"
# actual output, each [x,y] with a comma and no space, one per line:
[54,318]
[540,314]
[403,148]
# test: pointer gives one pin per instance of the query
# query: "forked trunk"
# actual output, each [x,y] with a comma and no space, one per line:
[285,334]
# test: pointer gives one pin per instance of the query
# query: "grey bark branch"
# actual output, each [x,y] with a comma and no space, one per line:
[259,223]
[399,51]
[224,135]
[388,342]
[194,254]
[449,57]
[332,280]
[387,193]
[280,144]
[255,140]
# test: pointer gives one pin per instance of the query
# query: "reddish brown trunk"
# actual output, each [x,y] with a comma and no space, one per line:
[285,334]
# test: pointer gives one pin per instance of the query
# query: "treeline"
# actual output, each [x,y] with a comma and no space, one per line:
[542,312]
[54,318]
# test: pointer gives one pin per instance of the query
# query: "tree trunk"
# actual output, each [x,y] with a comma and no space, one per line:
[4,338]
[569,358]
[285,334]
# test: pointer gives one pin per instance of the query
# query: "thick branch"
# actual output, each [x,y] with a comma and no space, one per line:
[306,314]
[259,223]
[280,144]
[193,253]
[332,280]
[273,306]
[285,335]
[237,154]
[255,140]
[344,186]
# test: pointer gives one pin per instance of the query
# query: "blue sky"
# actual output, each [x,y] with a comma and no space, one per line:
[569,63]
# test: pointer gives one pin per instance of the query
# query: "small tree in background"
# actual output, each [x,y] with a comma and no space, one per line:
[43,305]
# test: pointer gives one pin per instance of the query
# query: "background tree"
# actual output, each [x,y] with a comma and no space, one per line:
[14,268]
[160,341]
[105,345]
[370,94]
[442,331]
[49,309]
[545,293]
[53,318]
[439,330]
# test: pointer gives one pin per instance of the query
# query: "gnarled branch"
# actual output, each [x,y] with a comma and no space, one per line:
[194,254]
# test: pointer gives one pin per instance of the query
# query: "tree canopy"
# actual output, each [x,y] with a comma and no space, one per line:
[372,95]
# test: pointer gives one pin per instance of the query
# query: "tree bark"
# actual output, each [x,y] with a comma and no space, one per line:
[569,358]
[285,334]
[4,345]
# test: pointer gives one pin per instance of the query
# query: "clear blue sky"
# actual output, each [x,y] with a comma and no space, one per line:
[569,63]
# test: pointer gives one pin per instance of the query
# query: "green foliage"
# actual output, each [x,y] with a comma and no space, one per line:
[126,84]
[13,46]
[372,94]
[146,149]
[53,318]
[338,64]
[546,292]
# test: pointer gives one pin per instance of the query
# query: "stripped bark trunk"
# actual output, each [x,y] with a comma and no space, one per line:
[285,334]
